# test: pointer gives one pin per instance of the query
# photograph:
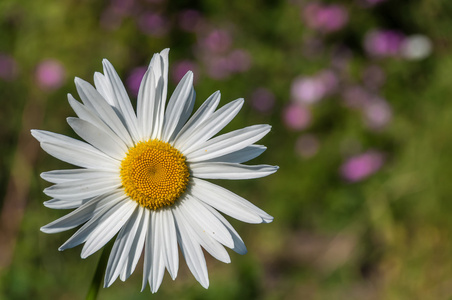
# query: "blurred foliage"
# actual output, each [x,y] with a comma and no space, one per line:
[386,236]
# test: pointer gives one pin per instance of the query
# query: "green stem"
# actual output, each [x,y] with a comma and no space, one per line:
[99,274]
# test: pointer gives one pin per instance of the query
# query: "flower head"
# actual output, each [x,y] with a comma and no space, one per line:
[361,166]
[50,74]
[142,175]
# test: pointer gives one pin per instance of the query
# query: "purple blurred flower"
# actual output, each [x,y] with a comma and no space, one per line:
[329,81]
[134,80]
[50,74]
[356,97]
[217,67]
[362,166]
[296,117]
[154,24]
[239,61]
[307,145]
[263,100]
[327,18]
[309,90]
[374,1]
[190,20]
[376,111]
[217,41]
[383,43]
[341,57]
[377,114]
[112,16]
[8,67]
[313,46]
[122,7]
[373,77]
[370,3]
[180,68]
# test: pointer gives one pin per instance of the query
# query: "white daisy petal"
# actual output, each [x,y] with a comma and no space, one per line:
[220,170]
[73,151]
[137,246]
[94,101]
[148,251]
[146,106]
[122,100]
[158,262]
[170,252]
[205,111]
[104,88]
[227,143]
[191,250]
[107,226]
[159,110]
[240,156]
[165,64]
[156,65]
[228,202]
[79,157]
[239,245]
[65,204]
[122,246]
[82,189]
[85,114]
[78,216]
[116,200]
[109,144]
[211,245]
[188,109]
[159,63]
[60,176]
[212,125]
[176,105]
[206,221]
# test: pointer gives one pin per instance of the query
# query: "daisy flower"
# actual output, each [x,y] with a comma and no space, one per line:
[142,175]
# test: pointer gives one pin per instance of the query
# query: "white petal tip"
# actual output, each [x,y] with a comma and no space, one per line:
[109,283]
[36,133]
[188,76]
[49,230]
[47,204]
[46,191]
[243,251]
[205,285]
[267,220]
[273,169]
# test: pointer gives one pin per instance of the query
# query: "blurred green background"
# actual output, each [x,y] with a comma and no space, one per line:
[359,96]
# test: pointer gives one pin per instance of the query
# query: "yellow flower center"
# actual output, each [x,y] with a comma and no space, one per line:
[154,174]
